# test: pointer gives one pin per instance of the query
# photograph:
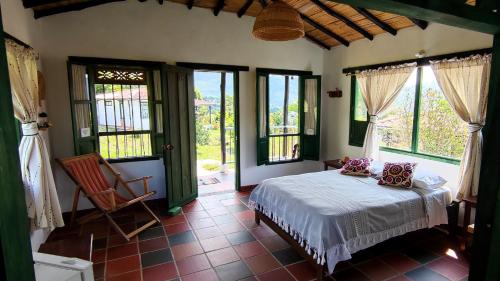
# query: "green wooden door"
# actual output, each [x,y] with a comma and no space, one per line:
[16,262]
[310,108]
[179,127]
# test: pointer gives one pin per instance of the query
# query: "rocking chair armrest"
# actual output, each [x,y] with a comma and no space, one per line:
[111,194]
[145,182]
[140,179]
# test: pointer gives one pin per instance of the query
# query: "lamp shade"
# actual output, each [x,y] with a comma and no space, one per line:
[278,22]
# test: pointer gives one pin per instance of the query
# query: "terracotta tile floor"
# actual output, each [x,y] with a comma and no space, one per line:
[215,238]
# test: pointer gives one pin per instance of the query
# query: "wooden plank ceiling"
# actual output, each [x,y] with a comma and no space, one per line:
[327,24]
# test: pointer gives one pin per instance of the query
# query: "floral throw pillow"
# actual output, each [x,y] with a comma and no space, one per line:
[357,167]
[398,174]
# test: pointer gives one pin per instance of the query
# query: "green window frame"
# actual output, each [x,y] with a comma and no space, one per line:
[306,141]
[84,109]
[357,127]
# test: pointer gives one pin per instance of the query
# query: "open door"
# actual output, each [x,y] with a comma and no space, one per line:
[179,134]
[16,262]
[310,90]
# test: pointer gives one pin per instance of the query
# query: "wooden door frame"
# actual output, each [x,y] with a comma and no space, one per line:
[14,225]
[235,69]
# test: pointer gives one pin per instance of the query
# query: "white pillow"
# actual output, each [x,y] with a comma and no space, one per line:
[422,178]
[376,168]
[427,179]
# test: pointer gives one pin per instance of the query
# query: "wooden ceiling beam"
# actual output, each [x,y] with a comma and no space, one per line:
[447,12]
[323,29]
[317,41]
[342,18]
[218,7]
[72,7]
[376,20]
[244,8]
[36,3]
[420,23]
[190,4]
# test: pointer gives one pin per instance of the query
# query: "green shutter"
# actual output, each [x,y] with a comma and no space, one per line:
[83,109]
[357,129]
[310,108]
[262,90]
[158,125]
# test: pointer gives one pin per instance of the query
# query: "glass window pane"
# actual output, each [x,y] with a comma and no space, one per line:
[80,82]
[284,119]
[125,146]
[310,106]
[159,118]
[360,110]
[441,131]
[276,100]
[157,84]
[83,119]
[123,109]
[396,123]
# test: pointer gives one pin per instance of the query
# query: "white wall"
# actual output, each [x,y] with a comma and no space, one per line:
[170,33]
[436,39]
[18,21]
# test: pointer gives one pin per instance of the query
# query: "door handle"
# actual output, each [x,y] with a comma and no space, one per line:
[168,147]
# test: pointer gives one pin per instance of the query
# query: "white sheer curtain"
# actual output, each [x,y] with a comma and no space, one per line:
[41,195]
[310,106]
[380,88]
[464,83]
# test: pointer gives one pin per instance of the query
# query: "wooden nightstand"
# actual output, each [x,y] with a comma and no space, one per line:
[335,164]
[470,203]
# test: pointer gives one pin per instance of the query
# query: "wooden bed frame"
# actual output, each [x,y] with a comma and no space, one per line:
[451,209]
[320,269]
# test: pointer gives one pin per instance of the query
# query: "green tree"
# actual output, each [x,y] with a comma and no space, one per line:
[442,132]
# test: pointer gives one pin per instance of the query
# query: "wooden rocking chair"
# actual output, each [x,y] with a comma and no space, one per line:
[86,172]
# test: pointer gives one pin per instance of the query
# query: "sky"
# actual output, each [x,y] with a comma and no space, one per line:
[277,90]
[208,83]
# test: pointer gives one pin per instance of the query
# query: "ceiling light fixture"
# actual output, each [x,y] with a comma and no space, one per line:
[278,22]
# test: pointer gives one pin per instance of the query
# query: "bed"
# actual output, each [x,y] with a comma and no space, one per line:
[328,216]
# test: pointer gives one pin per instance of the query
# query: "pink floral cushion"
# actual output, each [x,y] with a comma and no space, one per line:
[357,167]
[398,174]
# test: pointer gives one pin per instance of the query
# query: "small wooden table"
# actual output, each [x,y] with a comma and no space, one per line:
[470,203]
[336,164]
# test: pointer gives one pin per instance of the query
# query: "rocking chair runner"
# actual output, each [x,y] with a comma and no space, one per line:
[86,172]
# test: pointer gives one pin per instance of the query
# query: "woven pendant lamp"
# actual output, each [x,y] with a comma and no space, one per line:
[278,22]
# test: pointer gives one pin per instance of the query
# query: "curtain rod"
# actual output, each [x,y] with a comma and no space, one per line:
[8,36]
[420,62]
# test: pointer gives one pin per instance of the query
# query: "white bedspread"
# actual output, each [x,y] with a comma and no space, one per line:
[334,215]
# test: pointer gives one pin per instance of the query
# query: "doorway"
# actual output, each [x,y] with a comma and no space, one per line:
[216,131]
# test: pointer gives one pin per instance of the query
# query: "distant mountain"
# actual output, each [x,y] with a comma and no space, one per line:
[208,83]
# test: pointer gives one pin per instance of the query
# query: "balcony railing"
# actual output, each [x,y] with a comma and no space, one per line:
[284,143]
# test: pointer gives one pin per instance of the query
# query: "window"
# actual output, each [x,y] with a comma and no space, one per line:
[113,110]
[288,110]
[419,122]
[441,131]
[396,123]
[284,134]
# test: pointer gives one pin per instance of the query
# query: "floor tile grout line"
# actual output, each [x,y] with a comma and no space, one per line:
[269,252]
[140,257]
